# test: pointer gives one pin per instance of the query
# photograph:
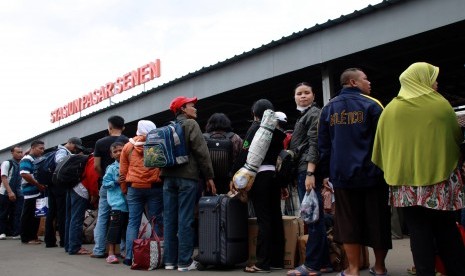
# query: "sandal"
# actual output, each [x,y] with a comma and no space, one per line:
[112,259]
[33,242]
[373,272]
[303,271]
[82,251]
[255,269]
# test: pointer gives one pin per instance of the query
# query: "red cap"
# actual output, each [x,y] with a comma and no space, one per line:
[178,102]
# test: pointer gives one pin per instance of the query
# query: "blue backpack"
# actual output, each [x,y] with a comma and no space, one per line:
[44,167]
[165,147]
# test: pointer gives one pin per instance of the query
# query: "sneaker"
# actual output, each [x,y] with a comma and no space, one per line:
[16,237]
[192,266]
[2,237]
[170,267]
[112,259]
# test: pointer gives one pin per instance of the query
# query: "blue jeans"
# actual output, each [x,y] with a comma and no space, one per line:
[137,200]
[100,230]
[179,196]
[10,215]
[317,253]
[75,210]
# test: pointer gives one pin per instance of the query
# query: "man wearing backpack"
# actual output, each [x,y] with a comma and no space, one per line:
[57,197]
[31,189]
[180,189]
[11,197]
[102,158]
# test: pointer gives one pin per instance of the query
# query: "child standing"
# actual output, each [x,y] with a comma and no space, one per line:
[117,202]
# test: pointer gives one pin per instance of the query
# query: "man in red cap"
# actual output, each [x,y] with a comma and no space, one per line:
[180,189]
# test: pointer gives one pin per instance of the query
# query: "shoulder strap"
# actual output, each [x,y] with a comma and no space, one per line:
[229,135]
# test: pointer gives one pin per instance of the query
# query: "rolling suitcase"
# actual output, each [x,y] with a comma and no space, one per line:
[223,231]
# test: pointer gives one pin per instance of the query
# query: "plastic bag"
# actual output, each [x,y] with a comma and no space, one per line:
[41,209]
[309,209]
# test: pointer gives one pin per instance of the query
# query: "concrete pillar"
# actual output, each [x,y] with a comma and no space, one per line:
[326,84]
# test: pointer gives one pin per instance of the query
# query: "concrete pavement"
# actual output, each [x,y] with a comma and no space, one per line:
[17,259]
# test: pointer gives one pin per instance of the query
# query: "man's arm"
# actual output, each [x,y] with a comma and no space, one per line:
[6,169]
[98,166]
[28,177]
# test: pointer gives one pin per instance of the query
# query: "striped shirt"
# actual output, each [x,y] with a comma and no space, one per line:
[26,166]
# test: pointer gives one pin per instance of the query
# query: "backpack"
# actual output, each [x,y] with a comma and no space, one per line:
[165,147]
[68,172]
[43,168]
[220,147]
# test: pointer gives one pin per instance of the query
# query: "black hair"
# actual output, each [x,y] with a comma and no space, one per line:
[218,121]
[259,107]
[116,121]
[116,144]
[348,74]
[37,142]
[12,149]
[302,83]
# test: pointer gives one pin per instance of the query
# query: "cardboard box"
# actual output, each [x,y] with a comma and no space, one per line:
[41,231]
[253,233]
[293,229]
[302,248]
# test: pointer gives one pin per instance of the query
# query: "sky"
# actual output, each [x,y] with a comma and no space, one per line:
[53,52]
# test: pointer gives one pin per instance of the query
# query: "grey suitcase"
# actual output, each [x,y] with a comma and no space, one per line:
[223,231]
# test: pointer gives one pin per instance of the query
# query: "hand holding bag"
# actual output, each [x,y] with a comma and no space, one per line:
[147,253]
[309,209]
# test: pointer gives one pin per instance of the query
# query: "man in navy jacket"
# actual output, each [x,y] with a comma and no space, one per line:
[346,131]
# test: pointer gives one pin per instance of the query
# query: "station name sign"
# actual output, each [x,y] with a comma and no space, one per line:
[129,80]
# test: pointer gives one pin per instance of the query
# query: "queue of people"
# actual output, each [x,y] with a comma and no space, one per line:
[363,158]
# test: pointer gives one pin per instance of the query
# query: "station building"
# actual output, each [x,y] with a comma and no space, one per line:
[382,40]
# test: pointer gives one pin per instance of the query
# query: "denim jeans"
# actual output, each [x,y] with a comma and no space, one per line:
[317,253]
[5,204]
[137,200]
[179,196]
[10,215]
[75,210]
[100,230]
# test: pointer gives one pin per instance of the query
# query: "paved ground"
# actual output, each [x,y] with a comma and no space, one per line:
[17,259]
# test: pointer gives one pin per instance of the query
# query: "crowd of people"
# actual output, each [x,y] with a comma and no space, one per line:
[362,159]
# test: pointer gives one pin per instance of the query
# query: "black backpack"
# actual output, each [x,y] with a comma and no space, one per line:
[43,168]
[68,172]
[220,147]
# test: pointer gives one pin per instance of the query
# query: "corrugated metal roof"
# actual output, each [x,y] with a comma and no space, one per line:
[264,47]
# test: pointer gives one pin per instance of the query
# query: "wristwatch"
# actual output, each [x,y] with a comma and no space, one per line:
[309,173]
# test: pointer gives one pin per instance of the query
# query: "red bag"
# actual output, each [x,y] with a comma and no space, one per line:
[147,253]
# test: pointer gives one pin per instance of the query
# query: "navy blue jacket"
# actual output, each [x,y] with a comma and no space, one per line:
[346,132]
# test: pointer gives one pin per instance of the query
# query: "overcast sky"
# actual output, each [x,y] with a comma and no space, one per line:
[52,52]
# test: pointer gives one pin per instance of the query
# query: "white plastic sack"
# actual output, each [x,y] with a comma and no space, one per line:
[148,229]
[244,177]
[309,209]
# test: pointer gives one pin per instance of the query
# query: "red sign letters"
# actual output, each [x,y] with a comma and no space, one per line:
[132,79]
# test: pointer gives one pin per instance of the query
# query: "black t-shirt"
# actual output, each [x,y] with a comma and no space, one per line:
[102,149]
